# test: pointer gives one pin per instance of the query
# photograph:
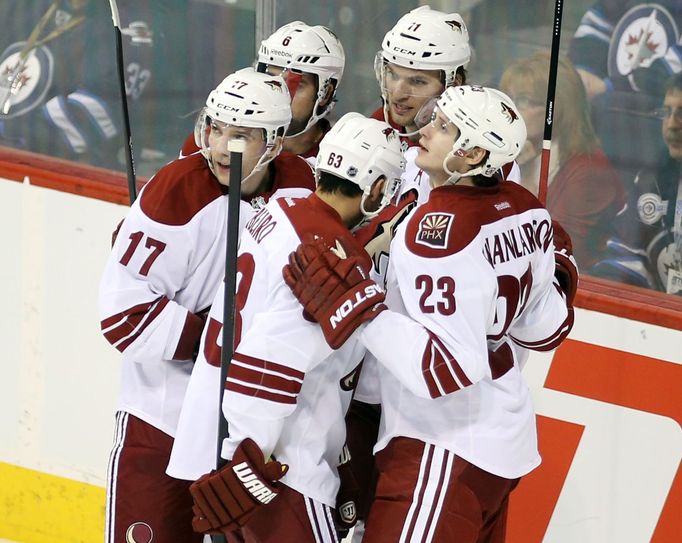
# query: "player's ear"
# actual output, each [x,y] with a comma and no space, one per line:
[377,188]
[474,156]
[276,148]
[328,95]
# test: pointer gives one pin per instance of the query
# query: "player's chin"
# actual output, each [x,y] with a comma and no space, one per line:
[401,114]
[222,172]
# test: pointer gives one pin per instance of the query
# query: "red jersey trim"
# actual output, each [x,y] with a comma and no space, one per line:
[135,321]
[263,379]
[442,373]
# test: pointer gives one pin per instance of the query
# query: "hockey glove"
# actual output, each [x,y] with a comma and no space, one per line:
[566,270]
[346,512]
[225,499]
[333,289]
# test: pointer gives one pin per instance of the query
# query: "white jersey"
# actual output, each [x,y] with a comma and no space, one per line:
[164,269]
[471,274]
[415,189]
[286,388]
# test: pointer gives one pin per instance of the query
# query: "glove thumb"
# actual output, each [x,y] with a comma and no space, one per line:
[274,470]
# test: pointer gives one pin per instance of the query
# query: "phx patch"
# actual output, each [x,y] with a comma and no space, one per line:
[434,230]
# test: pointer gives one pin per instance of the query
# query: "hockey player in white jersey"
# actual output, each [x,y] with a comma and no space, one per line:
[472,273]
[311,60]
[287,391]
[165,267]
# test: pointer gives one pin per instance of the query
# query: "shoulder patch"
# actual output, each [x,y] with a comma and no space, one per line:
[434,230]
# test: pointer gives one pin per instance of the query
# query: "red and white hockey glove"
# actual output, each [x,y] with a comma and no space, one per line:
[566,270]
[225,499]
[333,289]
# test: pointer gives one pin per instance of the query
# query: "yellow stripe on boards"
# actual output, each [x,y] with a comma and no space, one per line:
[36,507]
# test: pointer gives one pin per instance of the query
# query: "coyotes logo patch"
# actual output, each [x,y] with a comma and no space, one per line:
[389,133]
[509,113]
[434,230]
[274,85]
[454,25]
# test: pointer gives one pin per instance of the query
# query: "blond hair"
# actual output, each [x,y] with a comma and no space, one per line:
[573,128]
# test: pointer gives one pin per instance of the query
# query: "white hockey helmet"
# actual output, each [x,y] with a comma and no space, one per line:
[486,118]
[312,49]
[250,99]
[360,150]
[426,39]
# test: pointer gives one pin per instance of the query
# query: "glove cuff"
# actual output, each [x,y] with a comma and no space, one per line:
[351,310]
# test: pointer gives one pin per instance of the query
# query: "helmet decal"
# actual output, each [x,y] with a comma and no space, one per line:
[509,113]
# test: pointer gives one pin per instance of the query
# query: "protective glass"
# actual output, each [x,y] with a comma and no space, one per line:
[429,114]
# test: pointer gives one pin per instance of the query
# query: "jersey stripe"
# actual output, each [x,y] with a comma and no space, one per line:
[553,341]
[441,371]
[429,494]
[135,323]
[112,475]
[264,379]
[270,367]
[321,521]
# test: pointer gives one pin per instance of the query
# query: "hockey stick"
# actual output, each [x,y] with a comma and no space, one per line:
[549,110]
[130,163]
[236,148]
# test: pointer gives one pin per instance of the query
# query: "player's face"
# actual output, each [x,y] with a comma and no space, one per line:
[407,90]
[304,96]
[436,141]
[220,134]
[672,123]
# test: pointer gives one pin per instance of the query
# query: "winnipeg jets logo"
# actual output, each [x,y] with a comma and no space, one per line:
[509,113]
[389,133]
[274,85]
[17,74]
[454,25]
[434,230]
[24,81]
[643,34]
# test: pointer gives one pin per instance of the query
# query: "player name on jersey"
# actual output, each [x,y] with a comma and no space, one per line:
[517,242]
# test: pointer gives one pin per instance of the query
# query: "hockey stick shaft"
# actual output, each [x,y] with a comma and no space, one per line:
[236,148]
[549,109]
[128,147]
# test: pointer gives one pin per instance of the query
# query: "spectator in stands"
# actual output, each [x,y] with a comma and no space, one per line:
[606,56]
[625,51]
[649,252]
[584,191]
